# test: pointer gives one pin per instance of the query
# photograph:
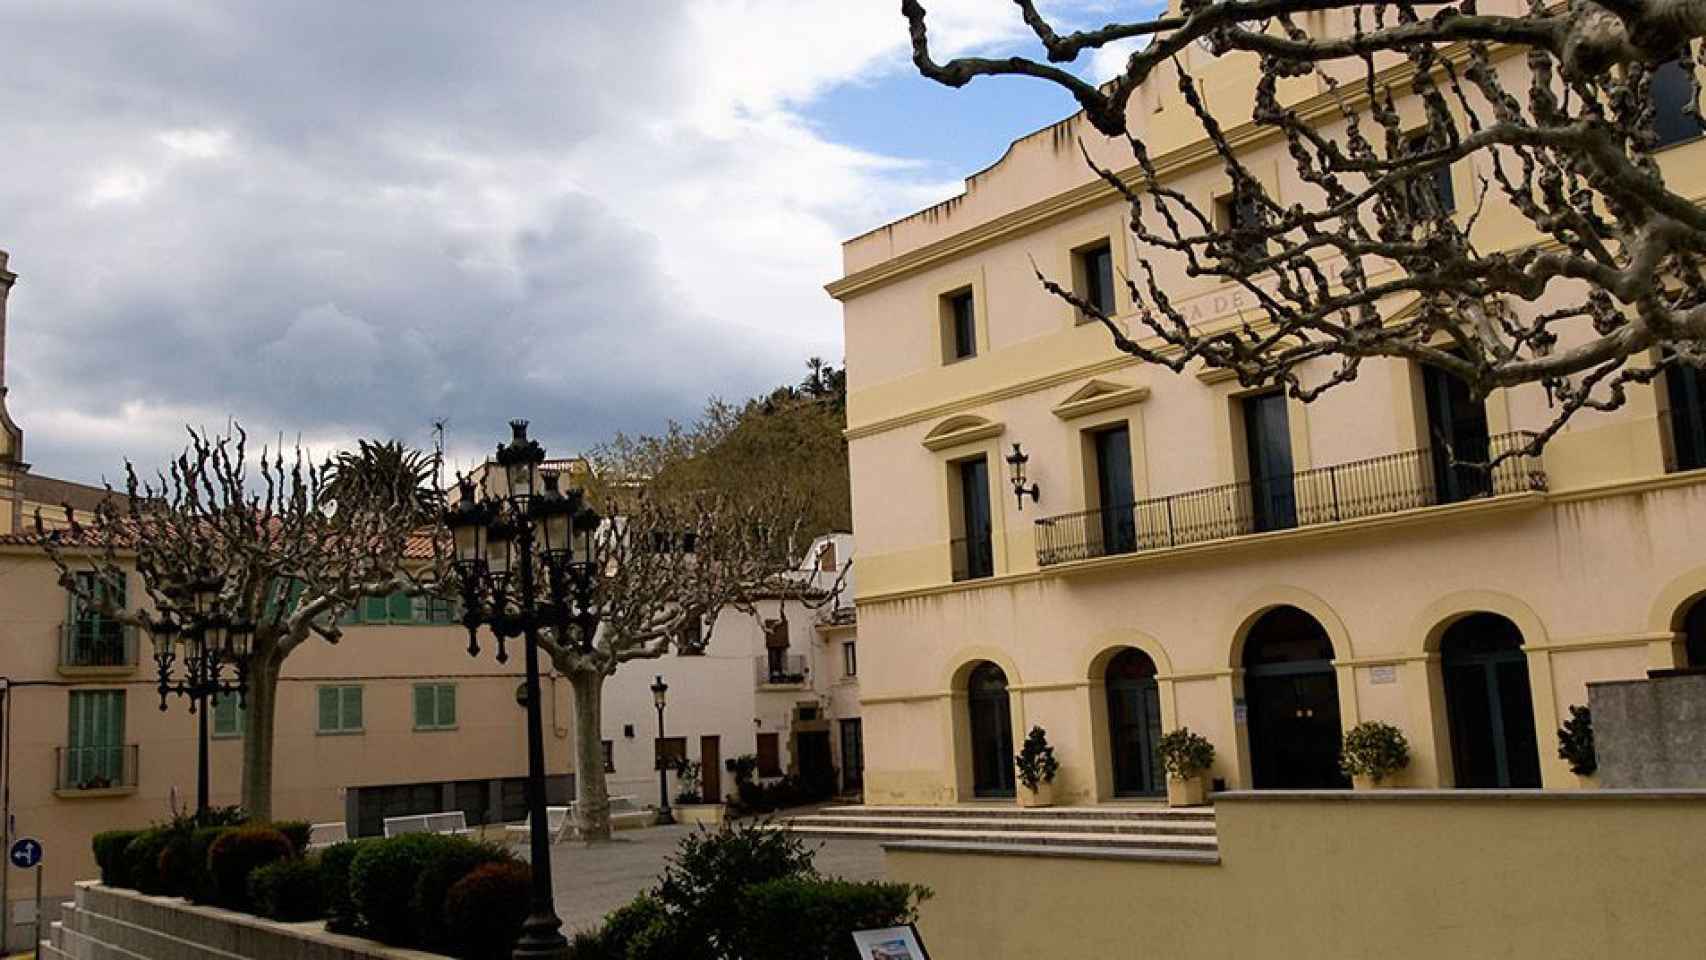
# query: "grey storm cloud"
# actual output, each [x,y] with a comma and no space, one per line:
[356,217]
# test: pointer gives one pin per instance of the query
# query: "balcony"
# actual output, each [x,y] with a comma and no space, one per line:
[96,646]
[1345,491]
[781,670]
[94,771]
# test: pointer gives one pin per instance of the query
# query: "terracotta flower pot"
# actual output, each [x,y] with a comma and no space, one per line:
[1187,792]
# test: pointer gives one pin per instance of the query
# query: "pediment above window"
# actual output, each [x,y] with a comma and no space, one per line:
[1099,395]
[961,430]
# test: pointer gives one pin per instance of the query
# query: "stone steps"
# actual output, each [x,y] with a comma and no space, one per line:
[1152,833]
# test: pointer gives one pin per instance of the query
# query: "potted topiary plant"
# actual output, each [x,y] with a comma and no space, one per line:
[1186,756]
[1037,768]
[1575,746]
[1373,752]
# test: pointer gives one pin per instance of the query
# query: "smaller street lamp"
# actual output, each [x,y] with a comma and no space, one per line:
[208,643]
[660,691]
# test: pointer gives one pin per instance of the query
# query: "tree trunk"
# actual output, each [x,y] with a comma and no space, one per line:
[260,705]
[592,794]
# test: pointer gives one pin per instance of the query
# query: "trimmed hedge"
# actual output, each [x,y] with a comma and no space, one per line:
[806,918]
[485,910]
[454,861]
[109,846]
[335,862]
[287,890]
[199,877]
[238,852]
[297,832]
[142,861]
[382,883]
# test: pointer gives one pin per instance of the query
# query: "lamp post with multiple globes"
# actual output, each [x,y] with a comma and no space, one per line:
[207,642]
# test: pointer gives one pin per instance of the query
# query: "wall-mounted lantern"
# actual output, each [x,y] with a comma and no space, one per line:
[1016,462]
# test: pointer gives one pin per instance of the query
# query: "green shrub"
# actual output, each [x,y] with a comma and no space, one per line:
[238,852]
[640,921]
[287,890]
[701,886]
[109,846]
[457,859]
[335,860]
[177,876]
[1036,763]
[1185,754]
[198,883]
[1575,742]
[297,832]
[806,918]
[142,860]
[1374,749]
[382,883]
[484,910]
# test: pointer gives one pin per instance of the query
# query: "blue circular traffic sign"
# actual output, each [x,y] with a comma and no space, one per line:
[26,852]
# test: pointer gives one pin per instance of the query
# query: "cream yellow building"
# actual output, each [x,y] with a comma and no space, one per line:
[1264,572]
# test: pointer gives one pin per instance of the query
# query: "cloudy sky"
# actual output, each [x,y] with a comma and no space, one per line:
[335,219]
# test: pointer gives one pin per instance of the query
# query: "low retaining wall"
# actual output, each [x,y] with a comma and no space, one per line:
[104,923]
[1651,733]
[1394,874]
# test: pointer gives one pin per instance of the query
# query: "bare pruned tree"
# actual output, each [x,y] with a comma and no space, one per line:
[664,571]
[1551,104]
[293,545]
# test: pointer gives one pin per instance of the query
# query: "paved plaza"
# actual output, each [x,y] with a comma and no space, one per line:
[592,881]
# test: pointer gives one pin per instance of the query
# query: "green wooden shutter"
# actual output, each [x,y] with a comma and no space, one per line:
[402,608]
[447,704]
[328,709]
[373,609]
[227,716]
[424,709]
[352,708]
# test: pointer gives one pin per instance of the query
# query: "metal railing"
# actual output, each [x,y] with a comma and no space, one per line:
[790,668]
[95,768]
[1345,491]
[97,643]
[1682,435]
[973,557]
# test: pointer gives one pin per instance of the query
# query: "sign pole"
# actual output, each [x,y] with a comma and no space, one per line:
[36,943]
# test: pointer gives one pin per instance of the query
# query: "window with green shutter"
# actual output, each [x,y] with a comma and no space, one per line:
[228,716]
[435,706]
[94,755]
[399,608]
[95,639]
[431,609]
[375,609]
[340,709]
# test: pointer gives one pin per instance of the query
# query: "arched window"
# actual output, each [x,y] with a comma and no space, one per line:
[1694,634]
[1291,696]
[1489,704]
[1134,724]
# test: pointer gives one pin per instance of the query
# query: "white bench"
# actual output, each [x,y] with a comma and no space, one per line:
[627,813]
[322,835]
[557,822]
[450,822]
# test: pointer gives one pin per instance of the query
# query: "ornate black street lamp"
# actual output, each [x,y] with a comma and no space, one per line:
[659,692]
[195,632]
[503,536]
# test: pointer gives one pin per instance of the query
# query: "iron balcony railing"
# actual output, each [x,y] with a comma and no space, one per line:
[95,768]
[973,557]
[1345,491]
[789,668]
[97,643]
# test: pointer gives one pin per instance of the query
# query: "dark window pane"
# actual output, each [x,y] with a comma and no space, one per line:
[974,554]
[1098,266]
[1433,192]
[964,315]
[1671,93]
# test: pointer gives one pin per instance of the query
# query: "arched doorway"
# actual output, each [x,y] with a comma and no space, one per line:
[1694,635]
[1488,703]
[991,732]
[1291,697]
[1134,724]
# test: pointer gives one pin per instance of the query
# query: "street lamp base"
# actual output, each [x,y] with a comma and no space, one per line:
[541,939]
[665,818]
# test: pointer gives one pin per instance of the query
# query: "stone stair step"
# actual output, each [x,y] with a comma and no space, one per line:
[1060,824]
[1202,814]
[1026,836]
[1205,858]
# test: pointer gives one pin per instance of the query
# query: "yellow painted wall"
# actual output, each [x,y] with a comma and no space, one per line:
[1468,876]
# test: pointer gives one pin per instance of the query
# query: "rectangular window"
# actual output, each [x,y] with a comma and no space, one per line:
[430,609]
[959,327]
[435,706]
[609,756]
[1671,92]
[769,755]
[1267,438]
[93,638]
[228,716]
[849,659]
[1432,193]
[1095,275]
[1685,388]
[94,755]
[1241,216]
[1114,494]
[670,751]
[973,548]
[340,709]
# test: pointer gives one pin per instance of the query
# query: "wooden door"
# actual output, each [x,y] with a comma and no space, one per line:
[710,770]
